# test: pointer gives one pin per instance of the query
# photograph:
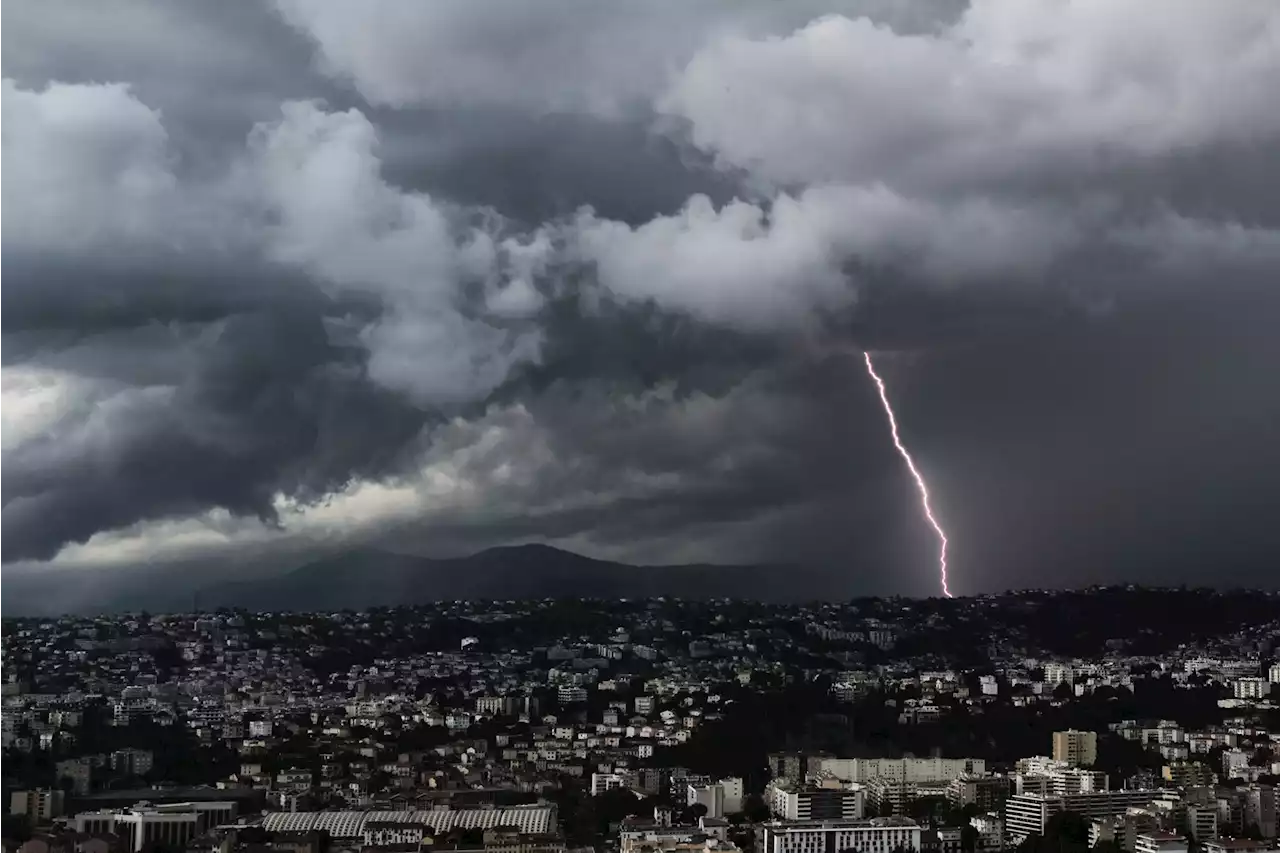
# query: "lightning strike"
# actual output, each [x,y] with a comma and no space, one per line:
[915,473]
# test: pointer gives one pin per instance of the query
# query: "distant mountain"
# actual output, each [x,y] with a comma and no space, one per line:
[371,578]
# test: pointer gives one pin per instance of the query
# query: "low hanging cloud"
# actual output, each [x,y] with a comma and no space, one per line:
[296,315]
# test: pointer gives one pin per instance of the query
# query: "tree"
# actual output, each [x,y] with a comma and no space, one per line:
[755,809]
[17,828]
[1069,828]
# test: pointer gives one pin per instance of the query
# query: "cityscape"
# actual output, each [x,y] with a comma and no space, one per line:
[647,726]
[640,426]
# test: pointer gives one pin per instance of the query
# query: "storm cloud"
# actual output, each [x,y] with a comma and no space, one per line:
[288,277]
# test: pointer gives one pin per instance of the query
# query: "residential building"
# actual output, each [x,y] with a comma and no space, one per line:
[1202,821]
[601,782]
[890,796]
[987,792]
[901,769]
[1160,842]
[1188,774]
[1028,814]
[811,802]
[39,806]
[877,835]
[1251,688]
[710,797]
[1076,748]
[132,762]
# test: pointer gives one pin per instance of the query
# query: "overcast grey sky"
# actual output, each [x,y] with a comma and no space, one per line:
[284,278]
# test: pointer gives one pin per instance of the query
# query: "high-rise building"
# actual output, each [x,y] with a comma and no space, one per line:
[1077,748]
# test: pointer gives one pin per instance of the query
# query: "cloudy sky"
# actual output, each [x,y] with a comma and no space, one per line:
[285,278]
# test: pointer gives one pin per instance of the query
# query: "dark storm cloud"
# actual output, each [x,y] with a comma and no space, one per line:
[539,168]
[269,405]
[427,274]
[688,468]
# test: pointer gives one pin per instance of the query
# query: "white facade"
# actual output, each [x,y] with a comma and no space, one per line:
[733,794]
[349,825]
[601,782]
[809,803]
[902,769]
[1234,763]
[1251,688]
[170,825]
[878,835]
[1028,814]
[709,796]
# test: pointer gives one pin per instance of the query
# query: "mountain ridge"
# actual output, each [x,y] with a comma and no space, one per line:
[371,577]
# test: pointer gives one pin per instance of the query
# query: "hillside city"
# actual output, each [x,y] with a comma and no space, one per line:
[1114,719]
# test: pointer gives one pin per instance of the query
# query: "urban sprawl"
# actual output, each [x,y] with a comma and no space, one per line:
[1118,719]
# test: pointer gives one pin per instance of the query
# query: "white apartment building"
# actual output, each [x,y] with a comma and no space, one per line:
[1273,674]
[601,782]
[793,802]
[1057,673]
[1251,688]
[901,769]
[1028,814]
[891,796]
[1051,776]
[877,835]
[709,796]
[734,793]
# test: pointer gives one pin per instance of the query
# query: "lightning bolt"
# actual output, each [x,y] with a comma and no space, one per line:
[915,473]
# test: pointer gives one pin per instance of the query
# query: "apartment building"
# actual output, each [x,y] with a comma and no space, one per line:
[1075,748]
[877,835]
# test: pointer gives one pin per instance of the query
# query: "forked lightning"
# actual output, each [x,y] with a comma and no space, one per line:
[915,472]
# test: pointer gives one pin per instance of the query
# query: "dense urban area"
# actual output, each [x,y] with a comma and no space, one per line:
[1120,719]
